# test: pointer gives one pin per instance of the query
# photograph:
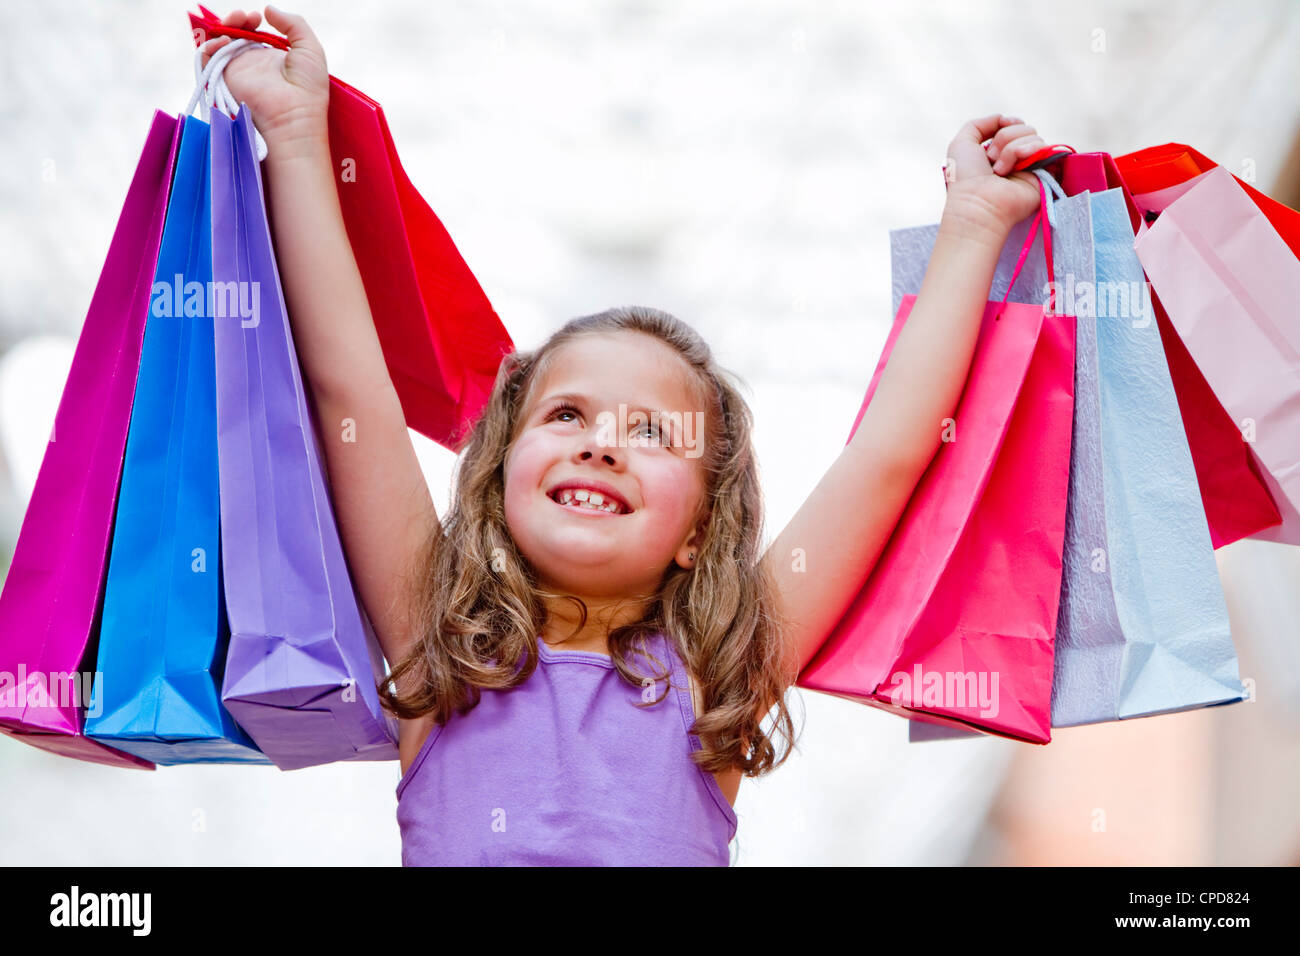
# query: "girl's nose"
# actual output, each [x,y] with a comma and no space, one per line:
[605,455]
[592,445]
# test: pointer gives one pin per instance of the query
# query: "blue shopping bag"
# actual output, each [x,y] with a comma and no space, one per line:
[1144,626]
[164,635]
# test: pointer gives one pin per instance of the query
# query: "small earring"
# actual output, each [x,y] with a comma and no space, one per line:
[692,557]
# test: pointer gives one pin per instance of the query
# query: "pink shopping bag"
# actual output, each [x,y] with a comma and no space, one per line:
[1230,285]
[957,619]
[53,595]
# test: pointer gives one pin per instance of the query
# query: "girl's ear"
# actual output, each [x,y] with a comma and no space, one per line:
[688,554]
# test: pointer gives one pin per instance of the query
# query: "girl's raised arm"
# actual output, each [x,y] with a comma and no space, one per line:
[844,525]
[385,513]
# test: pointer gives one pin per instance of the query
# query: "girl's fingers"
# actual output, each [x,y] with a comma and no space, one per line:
[296,31]
[241,20]
[1006,135]
[978,129]
[211,47]
[1016,150]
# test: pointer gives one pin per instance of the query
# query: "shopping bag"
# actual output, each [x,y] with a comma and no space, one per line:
[1143,625]
[1158,175]
[303,661]
[50,606]
[1230,285]
[442,340]
[935,629]
[1234,492]
[1072,257]
[163,637]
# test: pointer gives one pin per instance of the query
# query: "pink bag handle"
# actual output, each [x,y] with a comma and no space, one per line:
[1035,162]
[1043,218]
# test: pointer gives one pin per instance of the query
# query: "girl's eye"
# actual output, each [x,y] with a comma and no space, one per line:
[647,431]
[561,410]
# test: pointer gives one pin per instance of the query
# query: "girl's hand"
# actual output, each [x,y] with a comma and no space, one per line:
[979,186]
[287,91]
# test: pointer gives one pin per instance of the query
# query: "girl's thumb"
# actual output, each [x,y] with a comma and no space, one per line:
[294,28]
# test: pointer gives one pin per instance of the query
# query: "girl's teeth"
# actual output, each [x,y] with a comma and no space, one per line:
[582,498]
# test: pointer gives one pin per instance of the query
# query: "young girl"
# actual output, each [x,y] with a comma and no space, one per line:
[588,643]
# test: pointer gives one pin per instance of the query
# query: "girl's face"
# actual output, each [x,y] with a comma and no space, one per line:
[573,432]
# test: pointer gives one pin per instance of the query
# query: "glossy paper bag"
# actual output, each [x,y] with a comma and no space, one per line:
[303,663]
[163,638]
[50,607]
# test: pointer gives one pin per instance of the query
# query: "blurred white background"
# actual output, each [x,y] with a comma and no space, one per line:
[739,164]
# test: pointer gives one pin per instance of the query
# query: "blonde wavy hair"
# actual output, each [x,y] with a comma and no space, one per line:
[478,607]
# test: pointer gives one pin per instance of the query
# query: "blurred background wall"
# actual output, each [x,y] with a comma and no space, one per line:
[739,164]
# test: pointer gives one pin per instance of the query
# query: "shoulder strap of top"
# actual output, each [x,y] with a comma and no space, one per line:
[697,697]
[680,671]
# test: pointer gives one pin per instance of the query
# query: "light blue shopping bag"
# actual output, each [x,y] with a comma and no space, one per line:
[1143,627]
[163,637]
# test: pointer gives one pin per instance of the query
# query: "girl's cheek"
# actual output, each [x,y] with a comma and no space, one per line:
[670,488]
[523,475]
[523,466]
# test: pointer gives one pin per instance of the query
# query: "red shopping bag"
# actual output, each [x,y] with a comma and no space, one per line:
[441,338]
[1147,173]
[1237,501]
[957,620]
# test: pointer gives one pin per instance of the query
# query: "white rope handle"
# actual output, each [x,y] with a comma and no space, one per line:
[1054,192]
[210,86]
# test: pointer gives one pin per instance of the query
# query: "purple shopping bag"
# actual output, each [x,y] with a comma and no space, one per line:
[53,595]
[302,664]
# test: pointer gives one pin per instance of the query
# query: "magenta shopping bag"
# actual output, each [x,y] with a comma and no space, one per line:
[1230,285]
[52,599]
[302,665]
[936,629]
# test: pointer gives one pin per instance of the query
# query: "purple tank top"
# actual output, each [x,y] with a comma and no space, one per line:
[566,770]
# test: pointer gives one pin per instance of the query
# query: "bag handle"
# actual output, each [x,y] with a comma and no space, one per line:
[1044,157]
[1035,162]
[209,25]
[210,85]
[1046,219]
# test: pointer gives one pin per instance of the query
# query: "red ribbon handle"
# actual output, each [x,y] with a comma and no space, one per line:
[1044,157]
[209,25]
